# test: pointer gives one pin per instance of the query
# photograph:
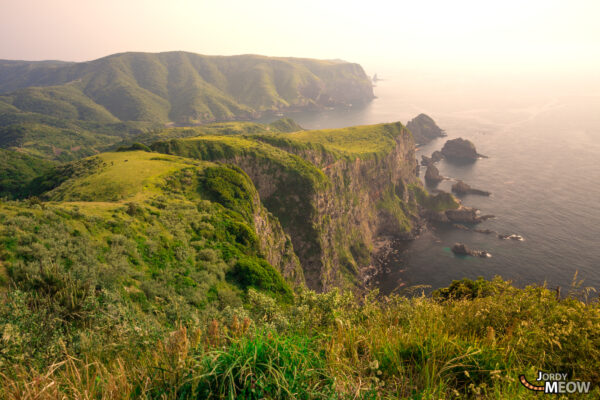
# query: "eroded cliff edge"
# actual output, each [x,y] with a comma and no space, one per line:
[335,192]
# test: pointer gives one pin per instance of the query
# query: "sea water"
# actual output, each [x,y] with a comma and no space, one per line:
[542,138]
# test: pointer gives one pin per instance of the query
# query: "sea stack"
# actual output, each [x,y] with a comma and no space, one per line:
[424,129]
[462,188]
[460,150]
[432,175]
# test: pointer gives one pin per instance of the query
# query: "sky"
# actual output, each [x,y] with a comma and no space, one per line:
[508,35]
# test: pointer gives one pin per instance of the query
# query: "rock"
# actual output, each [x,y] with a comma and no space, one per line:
[436,156]
[464,214]
[463,250]
[424,129]
[486,231]
[432,175]
[425,161]
[461,226]
[460,150]
[509,236]
[462,188]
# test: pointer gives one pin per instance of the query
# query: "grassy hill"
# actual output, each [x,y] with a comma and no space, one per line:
[179,87]
[131,244]
[141,274]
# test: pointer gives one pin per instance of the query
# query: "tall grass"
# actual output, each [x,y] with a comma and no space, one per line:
[332,345]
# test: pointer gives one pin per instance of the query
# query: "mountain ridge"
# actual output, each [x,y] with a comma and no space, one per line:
[190,88]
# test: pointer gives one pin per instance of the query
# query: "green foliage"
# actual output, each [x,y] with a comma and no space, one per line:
[395,207]
[231,187]
[465,289]
[135,146]
[160,258]
[265,366]
[259,274]
[330,345]
[17,170]
[285,125]
[369,141]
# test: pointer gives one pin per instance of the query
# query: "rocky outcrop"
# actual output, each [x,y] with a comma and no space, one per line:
[465,214]
[463,250]
[424,129]
[461,215]
[460,150]
[462,188]
[436,156]
[432,175]
[509,236]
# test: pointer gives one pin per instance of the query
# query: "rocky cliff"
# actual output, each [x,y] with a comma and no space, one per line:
[335,192]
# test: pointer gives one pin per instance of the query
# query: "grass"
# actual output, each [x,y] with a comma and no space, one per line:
[121,176]
[335,346]
[357,141]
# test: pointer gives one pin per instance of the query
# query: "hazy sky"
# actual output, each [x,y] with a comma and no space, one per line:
[479,34]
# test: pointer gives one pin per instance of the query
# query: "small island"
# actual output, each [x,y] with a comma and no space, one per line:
[460,150]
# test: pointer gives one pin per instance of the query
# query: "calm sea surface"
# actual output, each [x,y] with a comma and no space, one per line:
[543,143]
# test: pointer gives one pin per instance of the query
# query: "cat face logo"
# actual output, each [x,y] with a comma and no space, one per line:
[556,383]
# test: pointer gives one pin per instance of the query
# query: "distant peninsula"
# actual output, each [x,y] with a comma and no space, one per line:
[86,105]
[179,87]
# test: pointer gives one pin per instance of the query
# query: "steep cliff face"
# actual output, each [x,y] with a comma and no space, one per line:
[276,246]
[335,192]
[369,196]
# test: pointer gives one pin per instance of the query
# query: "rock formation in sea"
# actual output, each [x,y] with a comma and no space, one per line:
[463,250]
[424,129]
[432,175]
[461,188]
[460,150]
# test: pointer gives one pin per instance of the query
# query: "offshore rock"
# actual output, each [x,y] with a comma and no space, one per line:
[432,175]
[462,188]
[460,150]
[436,156]
[462,249]
[464,214]
[424,129]
[513,236]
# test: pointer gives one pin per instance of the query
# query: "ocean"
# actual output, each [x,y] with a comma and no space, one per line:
[542,137]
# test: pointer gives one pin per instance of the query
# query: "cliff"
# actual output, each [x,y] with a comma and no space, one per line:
[335,192]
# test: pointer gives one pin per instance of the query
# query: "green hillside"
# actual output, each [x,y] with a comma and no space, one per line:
[184,88]
[67,111]
[132,244]
[356,141]
[17,170]
[163,271]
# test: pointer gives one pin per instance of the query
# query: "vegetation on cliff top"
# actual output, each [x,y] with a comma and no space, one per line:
[356,141]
